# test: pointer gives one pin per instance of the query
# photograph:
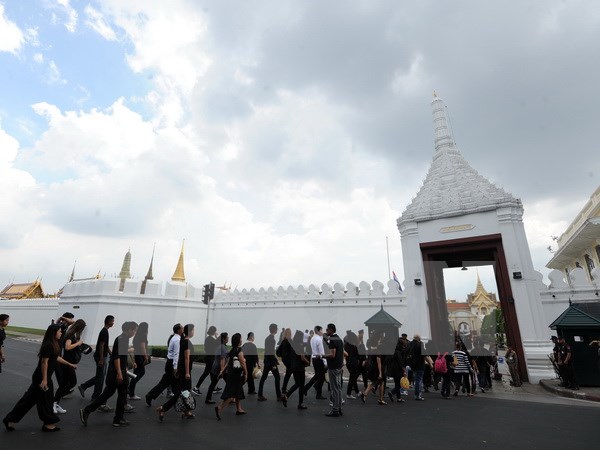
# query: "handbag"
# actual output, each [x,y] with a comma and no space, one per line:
[185,402]
[404,383]
[256,373]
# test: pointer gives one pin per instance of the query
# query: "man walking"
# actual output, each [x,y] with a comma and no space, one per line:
[335,362]
[317,351]
[251,354]
[116,378]
[270,364]
[168,379]
[417,364]
[211,344]
[101,358]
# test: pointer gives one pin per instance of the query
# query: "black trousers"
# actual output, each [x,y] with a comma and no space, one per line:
[34,396]
[286,378]
[214,379]
[299,379]
[111,387]
[180,385]
[275,372]
[168,380]
[568,376]
[354,372]
[364,372]
[446,381]
[97,380]
[208,363]
[461,379]
[68,381]
[140,371]
[318,378]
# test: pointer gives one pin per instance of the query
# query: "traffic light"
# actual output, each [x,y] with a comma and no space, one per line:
[205,294]
[211,290]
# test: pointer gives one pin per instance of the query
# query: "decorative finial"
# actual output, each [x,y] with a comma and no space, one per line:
[179,274]
[434,94]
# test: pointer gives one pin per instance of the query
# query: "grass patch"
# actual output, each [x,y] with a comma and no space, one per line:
[36,331]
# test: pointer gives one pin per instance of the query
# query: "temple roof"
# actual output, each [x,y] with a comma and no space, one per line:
[23,290]
[452,187]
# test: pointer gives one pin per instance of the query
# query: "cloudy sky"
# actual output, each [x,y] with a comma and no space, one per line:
[280,139]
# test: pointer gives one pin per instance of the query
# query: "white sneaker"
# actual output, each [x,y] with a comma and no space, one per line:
[196,391]
[135,397]
[58,409]
[351,397]
[129,408]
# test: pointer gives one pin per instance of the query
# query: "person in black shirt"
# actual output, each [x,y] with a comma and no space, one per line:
[251,354]
[116,378]
[184,373]
[140,350]
[270,364]
[298,364]
[210,347]
[335,362]
[352,362]
[284,351]
[101,358]
[41,392]
[4,319]
[71,353]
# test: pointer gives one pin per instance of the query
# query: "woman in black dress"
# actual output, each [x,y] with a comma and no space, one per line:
[72,354]
[397,370]
[237,374]
[298,364]
[183,374]
[41,391]
[140,350]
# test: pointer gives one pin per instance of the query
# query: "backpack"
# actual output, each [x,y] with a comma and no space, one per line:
[440,365]
[409,359]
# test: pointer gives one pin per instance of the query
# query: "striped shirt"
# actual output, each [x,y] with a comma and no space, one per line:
[463,362]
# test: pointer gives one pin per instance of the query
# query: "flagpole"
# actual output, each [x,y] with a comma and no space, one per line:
[387,247]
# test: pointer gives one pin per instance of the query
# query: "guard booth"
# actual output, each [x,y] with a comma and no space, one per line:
[580,324]
[383,322]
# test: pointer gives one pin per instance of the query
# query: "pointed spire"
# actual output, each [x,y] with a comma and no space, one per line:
[149,274]
[125,270]
[179,274]
[72,277]
[441,124]
[480,289]
[452,187]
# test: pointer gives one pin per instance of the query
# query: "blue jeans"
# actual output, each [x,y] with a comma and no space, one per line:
[418,383]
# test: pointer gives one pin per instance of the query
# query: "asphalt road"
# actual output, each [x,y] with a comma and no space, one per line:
[504,419]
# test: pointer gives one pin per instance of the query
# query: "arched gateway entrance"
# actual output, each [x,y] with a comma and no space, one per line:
[468,252]
[461,219]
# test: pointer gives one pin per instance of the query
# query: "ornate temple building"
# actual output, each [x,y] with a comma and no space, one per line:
[467,317]
[19,291]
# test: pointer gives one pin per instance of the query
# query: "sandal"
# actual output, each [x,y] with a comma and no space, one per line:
[161,413]
[188,415]
[363,398]
[381,402]
[217,413]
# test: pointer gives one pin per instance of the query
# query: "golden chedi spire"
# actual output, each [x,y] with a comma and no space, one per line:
[480,289]
[149,275]
[125,270]
[179,274]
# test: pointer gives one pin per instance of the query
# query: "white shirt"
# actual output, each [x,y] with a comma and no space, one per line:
[316,344]
[173,352]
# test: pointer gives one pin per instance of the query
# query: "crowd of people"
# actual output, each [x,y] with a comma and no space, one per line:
[376,362]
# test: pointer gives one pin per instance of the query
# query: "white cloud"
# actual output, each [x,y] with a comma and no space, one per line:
[95,20]
[53,75]
[11,36]
[18,190]
[38,58]
[72,16]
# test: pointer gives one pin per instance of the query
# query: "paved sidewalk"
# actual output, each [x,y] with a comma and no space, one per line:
[584,393]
